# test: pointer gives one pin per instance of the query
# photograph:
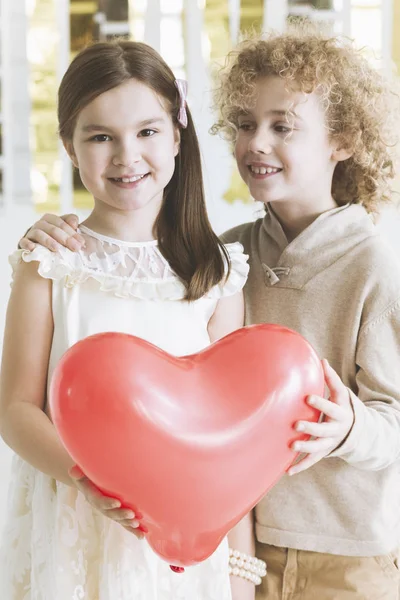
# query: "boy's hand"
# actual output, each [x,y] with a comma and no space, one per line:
[109,507]
[51,232]
[333,430]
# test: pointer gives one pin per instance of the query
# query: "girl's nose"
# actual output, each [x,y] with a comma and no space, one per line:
[126,155]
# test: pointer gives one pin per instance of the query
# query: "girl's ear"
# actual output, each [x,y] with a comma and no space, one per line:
[177,140]
[71,152]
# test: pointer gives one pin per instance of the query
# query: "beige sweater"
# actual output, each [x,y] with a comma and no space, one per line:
[338,285]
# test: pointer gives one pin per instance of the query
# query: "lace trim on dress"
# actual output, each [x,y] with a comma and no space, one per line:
[127,269]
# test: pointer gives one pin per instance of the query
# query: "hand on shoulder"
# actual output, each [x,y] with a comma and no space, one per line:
[52,232]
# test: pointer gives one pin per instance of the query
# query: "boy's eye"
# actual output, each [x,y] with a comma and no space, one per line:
[246,126]
[100,137]
[147,132]
[283,128]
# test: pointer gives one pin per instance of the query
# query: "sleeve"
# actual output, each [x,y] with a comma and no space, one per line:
[232,235]
[374,440]
[237,273]
[51,265]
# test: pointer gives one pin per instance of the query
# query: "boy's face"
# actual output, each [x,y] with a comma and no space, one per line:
[285,158]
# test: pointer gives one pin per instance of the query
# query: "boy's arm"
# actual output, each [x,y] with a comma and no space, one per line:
[362,429]
[374,440]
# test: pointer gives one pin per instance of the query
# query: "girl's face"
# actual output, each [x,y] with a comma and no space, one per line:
[124,145]
[283,161]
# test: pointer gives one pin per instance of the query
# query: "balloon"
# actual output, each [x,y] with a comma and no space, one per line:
[194,442]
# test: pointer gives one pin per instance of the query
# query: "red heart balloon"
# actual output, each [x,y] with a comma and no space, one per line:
[192,442]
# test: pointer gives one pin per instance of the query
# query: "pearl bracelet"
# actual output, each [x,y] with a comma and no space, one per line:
[246,566]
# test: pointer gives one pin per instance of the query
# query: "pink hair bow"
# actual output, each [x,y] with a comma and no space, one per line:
[182,86]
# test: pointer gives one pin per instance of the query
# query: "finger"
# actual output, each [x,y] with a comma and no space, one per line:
[57,222]
[72,220]
[25,244]
[139,534]
[321,430]
[42,238]
[103,503]
[291,464]
[76,472]
[327,407]
[337,390]
[60,232]
[80,239]
[95,496]
[306,463]
[121,514]
[314,446]
[133,523]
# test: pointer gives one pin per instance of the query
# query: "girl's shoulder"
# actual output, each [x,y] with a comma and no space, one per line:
[126,269]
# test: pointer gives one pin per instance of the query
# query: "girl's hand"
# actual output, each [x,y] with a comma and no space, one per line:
[51,232]
[242,589]
[109,507]
[333,430]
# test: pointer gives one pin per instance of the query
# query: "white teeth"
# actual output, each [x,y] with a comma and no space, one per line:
[129,179]
[263,170]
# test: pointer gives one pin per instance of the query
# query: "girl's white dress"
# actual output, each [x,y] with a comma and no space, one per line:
[55,546]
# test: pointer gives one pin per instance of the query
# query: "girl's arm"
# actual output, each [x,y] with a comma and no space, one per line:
[242,538]
[228,316]
[24,425]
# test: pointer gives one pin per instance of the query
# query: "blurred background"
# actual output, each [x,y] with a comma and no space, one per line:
[38,40]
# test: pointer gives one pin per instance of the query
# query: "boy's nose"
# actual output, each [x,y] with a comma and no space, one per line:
[260,143]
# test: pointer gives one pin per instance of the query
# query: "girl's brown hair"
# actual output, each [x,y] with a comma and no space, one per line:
[361,106]
[182,228]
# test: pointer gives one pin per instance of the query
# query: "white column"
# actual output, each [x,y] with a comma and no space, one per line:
[275,14]
[196,72]
[346,17]
[152,24]
[6,104]
[17,105]
[387,34]
[66,181]
[234,20]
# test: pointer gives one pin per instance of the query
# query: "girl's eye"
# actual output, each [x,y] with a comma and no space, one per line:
[100,137]
[147,132]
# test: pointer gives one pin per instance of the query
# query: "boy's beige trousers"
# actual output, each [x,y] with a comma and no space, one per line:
[301,575]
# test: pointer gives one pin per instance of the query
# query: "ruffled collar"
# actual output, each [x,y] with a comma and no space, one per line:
[127,269]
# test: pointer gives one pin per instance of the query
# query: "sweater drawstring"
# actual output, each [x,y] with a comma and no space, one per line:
[272,275]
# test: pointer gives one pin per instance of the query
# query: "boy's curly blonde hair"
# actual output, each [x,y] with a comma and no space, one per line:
[362,107]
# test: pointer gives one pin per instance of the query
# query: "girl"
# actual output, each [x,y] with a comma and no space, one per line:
[313,126]
[151,266]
